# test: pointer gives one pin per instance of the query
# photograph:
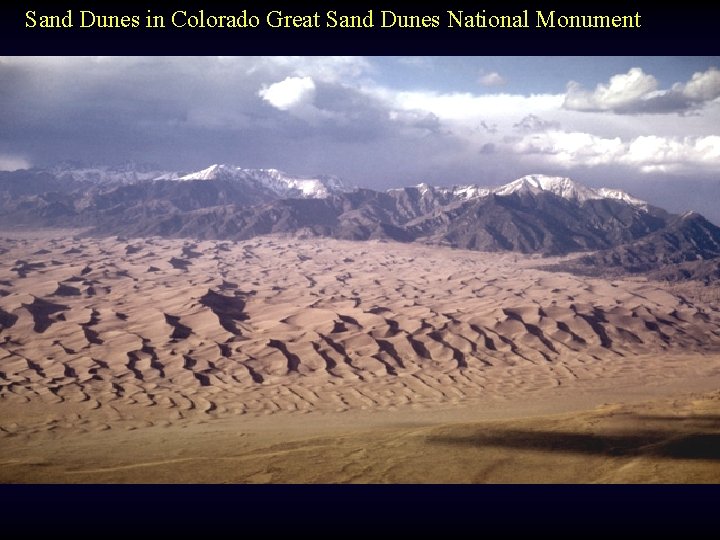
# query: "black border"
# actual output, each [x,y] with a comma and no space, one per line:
[675,29]
[343,510]
[478,510]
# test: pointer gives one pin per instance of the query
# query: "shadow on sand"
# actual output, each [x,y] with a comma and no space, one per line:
[696,437]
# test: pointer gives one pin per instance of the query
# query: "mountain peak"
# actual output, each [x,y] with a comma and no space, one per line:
[281,183]
[213,172]
[559,186]
[564,187]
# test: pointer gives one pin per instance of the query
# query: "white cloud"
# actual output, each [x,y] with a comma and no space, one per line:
[492,79]
[13,163]
[704,86]
[533,123]
[622,92]
[328,69]
[470,108]
[289,93]
[570,149]
[637,92]
[663,154]
[527,128]
[647,154]
[415,119]
[415,61]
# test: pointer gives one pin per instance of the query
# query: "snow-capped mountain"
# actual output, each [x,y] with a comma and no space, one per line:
[127,173]
[537,183]
[457,192]
[565,188]
[286,185]
[553,215]
[281,183]
[449,193]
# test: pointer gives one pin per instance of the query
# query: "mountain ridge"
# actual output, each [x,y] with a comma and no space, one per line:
[546,215]
[321,186]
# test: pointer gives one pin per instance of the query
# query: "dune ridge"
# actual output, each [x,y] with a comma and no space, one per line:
[94,330]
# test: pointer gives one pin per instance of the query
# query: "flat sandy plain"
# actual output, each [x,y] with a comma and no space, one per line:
[313,360]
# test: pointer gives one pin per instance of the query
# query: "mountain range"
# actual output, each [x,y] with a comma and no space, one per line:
[534,214]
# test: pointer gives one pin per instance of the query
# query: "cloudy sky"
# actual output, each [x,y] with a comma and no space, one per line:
[377,122]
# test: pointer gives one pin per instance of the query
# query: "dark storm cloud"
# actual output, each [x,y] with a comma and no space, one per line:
[183,113]
[97,110]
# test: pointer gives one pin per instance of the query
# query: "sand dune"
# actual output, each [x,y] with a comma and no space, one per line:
[287,324]
[98,331]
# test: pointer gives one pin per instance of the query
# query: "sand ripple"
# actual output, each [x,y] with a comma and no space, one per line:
[106,328]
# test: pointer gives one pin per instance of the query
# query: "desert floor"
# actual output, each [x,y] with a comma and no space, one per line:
[314,360]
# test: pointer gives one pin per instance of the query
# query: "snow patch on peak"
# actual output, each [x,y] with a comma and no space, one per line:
[535,183]
[127,174]
[281,183]
[609,193]
[558,185]
[213,172]
[565,188]
[469,192]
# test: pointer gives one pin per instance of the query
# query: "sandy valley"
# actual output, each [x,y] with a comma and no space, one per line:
[302,359]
